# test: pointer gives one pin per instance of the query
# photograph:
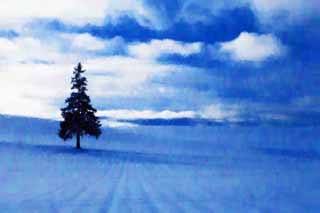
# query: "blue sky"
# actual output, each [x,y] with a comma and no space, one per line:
[232,60]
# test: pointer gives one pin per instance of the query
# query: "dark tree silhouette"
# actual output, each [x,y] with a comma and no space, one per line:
[79,116]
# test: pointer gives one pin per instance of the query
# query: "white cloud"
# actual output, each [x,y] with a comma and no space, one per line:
[253,47]
[35,73]
[86,44]
[59,48]
[156,48]
[146,114]
[73,11]
[220,112]
[85,41]
[292,8]
[278,14]
[26,49]
[16,13]
[40,89]
[117,124]
[31,89]
[77,12]
[126,76]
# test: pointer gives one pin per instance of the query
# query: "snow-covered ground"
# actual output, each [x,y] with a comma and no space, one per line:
[162,169]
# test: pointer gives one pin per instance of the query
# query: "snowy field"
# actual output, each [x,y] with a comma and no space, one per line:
[161,169]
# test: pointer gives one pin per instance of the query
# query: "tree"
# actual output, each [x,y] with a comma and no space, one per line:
[79,116]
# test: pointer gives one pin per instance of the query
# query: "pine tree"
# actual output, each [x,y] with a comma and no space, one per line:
[79,116]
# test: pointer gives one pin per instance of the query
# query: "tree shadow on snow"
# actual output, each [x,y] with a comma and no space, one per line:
[113,155]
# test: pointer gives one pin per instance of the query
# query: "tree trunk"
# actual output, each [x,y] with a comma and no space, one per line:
[78,141]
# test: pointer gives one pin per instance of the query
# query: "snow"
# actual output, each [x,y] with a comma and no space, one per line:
[162,169]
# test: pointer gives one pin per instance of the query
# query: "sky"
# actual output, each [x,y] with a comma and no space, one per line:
[229,61]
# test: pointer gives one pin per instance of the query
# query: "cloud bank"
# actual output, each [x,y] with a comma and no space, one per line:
[201,59]
[37,73]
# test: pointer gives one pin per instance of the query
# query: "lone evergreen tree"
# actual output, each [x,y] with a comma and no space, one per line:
[79,116]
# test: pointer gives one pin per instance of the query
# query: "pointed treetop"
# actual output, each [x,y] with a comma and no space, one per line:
[78,81]
[79,67]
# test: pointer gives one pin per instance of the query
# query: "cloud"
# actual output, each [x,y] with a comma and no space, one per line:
[40,89]
[117,124]
[146,114]
[270,13]
[75,12]
[216,111]
[252,47]
[295,10]
[302,111]
[269,6]
[15,13]
[37,62]
[194,11]
[21,49]
[124,118]
[124,76]
[85,41]
[220,112]
[36,72]
[32,89]
[157,48]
